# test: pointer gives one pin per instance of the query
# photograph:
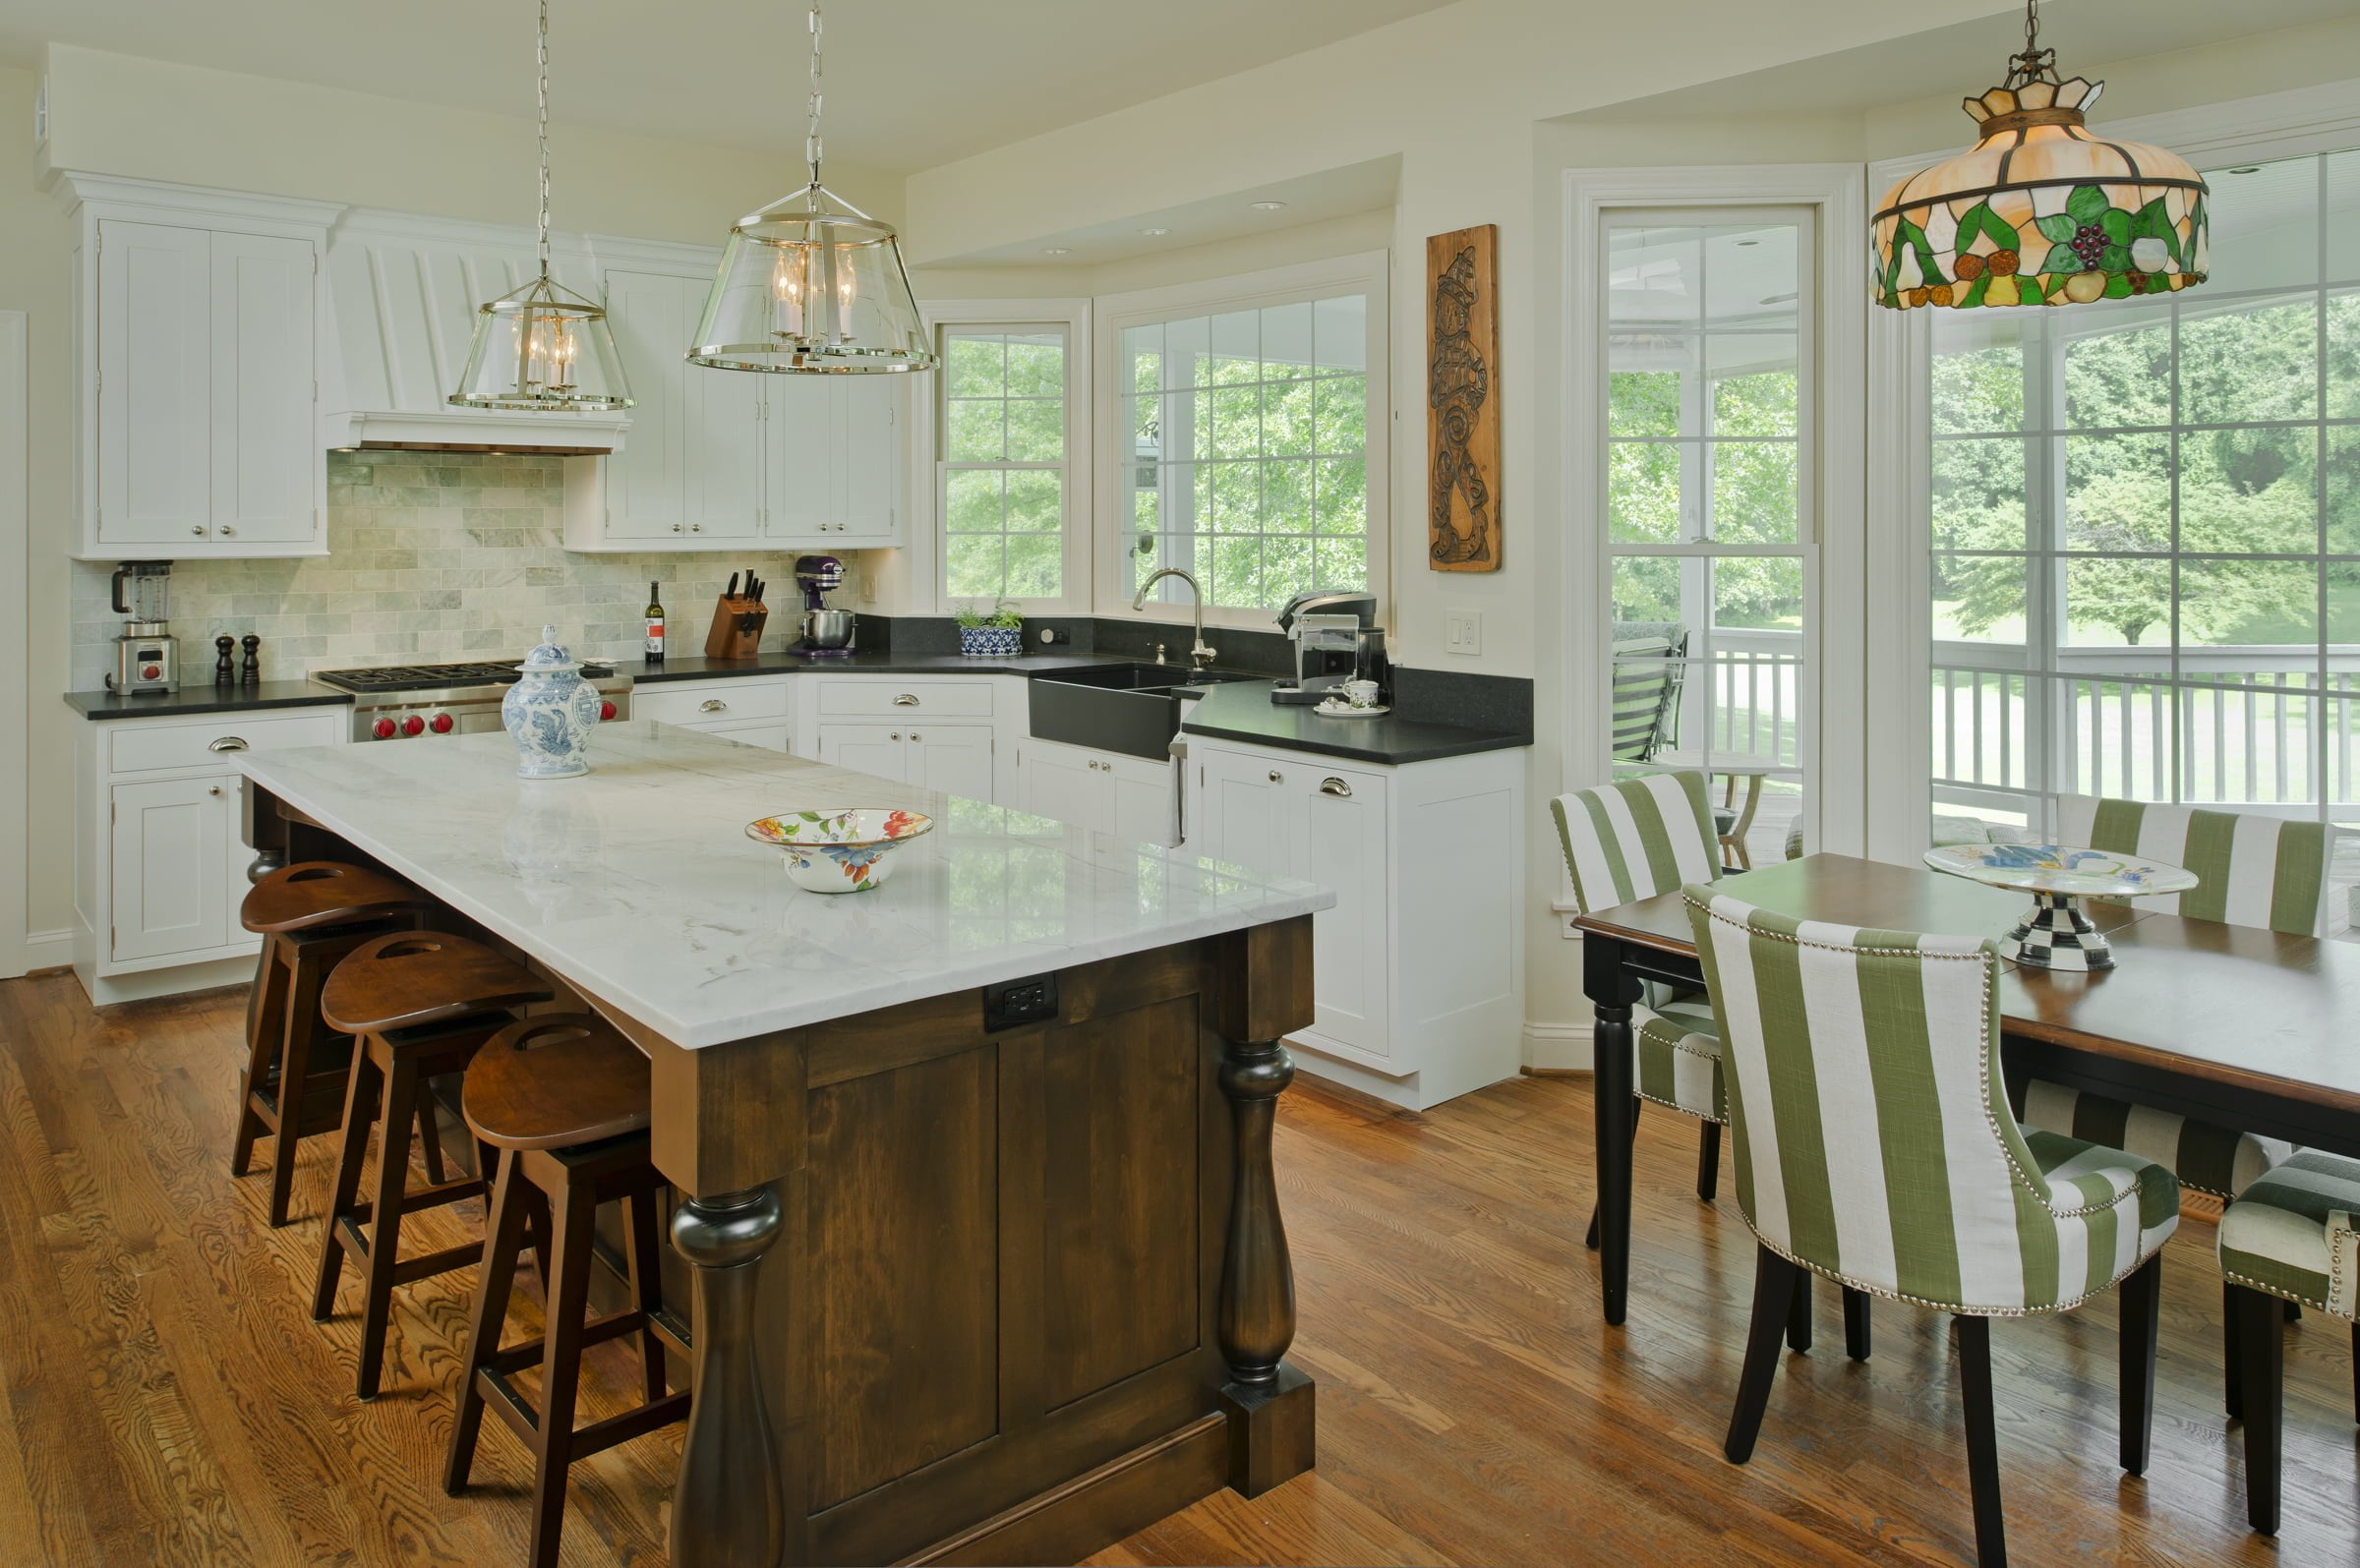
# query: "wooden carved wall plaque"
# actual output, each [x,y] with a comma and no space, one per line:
[1462,400]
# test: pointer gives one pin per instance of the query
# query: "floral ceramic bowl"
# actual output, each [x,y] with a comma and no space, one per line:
[840,851]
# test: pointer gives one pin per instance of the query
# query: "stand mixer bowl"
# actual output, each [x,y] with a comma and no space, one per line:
[827,628]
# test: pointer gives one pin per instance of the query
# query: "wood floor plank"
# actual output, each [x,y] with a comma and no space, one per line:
[165,1397]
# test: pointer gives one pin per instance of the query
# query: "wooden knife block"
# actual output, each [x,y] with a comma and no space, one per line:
[737,630]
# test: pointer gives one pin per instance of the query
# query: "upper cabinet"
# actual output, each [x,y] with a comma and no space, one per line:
[197,324]
[720,459]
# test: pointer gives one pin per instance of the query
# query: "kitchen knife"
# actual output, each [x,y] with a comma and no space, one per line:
[732,591]
[759,585]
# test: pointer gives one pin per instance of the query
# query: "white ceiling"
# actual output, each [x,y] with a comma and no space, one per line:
[911,84]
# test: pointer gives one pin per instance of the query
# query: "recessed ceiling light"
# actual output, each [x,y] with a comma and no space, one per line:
[1270,206]
[1154,233]
[1057,249]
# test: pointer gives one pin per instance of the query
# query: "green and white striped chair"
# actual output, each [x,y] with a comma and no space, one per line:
[2289,1236]
[1638,837]
[2255,871]
[1873,1146]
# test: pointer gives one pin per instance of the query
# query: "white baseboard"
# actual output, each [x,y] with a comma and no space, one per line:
[1557,1047]
[48,950]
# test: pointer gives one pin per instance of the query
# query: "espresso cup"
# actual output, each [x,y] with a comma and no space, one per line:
[1360,693]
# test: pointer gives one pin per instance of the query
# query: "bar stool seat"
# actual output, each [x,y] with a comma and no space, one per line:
[565,1100]
[309,915]
[419,1004]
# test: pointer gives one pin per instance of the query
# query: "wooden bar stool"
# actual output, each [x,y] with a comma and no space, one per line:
[419,1004]
[565,1100]
[309,915]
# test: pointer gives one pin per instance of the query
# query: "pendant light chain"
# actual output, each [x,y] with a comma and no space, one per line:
[811,136]
[2035,64]
[544,128]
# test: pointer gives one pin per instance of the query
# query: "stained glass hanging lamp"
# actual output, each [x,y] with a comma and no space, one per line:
[543,346]
[2040,211]
[812,285]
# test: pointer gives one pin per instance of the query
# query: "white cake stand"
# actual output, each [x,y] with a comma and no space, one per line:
[2057,934]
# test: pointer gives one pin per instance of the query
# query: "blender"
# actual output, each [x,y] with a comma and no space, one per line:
[825,631]
[147,653]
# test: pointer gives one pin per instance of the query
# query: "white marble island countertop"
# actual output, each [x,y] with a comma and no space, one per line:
[638,885]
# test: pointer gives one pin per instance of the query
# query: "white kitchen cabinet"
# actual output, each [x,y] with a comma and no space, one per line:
[159,853]
[877,749]
[956,759]
[196,318]
[752,710]
[1417,979]
[1104,791]
[727,460]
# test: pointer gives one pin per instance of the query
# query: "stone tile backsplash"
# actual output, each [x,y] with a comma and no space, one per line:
[432,557]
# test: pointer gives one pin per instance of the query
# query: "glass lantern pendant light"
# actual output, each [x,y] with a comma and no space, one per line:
[812,284]
[2040,211]
[543,345]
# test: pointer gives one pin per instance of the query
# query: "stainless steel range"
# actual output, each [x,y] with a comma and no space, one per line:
[400,702]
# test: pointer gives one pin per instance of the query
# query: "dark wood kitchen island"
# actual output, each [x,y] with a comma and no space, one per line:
[968,1288]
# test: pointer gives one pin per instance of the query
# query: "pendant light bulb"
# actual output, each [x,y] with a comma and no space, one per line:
[812,285]
[543,346]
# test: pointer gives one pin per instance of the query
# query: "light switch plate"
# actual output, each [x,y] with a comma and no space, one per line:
[1463,632]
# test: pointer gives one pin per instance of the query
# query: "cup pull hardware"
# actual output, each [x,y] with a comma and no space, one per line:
[906,700]
[227,743]
[1337,787]
[712,704]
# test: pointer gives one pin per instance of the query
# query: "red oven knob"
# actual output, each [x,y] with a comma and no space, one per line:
[413,726]
[383,730]
[606,710]
[439,724]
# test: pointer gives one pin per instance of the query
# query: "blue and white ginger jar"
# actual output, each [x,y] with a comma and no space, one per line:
[550,712]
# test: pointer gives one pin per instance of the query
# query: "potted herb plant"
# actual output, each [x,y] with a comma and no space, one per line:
[998,632]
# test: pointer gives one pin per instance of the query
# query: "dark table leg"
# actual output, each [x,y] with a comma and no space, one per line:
[727,1508]
[1612,990]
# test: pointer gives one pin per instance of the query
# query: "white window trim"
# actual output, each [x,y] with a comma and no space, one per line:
[1369,272]
[925,550]
[1900,691]
[1834,807]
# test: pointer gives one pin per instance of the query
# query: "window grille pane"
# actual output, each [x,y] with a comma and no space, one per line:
[1002,445]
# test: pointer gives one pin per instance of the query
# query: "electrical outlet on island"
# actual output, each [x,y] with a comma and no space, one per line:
[1463,632]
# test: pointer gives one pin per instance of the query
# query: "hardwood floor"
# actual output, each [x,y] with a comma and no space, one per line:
[165,1397]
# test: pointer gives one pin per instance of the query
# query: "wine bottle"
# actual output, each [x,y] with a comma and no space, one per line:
[655,626]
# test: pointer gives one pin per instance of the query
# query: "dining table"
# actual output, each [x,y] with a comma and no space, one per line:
[2233,1025]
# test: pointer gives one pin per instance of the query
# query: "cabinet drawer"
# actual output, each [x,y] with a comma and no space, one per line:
[907,699]
[134,746]
[713,702]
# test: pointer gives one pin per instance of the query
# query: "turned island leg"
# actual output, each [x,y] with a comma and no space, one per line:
[1270,1406]
[727,1509]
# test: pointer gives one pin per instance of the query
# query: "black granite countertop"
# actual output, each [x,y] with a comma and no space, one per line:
[205,699]
[1243,710]
[784,662]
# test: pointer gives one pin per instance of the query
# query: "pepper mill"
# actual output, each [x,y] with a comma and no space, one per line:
[251,672]
[224,671]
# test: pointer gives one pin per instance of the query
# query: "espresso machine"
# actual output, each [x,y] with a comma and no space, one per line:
[1335,639]
[147,653]
[825,632]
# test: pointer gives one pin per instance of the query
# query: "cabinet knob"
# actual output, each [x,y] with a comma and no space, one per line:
[696,528]
[1337,787]
[199,530]
[897,734]
[1277,778]
[915,735]
[675,528]
[226,530]
[214,790]
[711,705]
[906,700]
[227,743]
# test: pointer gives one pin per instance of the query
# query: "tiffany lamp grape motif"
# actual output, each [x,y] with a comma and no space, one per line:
[2040,211]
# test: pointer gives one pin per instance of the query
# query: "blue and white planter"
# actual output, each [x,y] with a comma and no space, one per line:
[990,641]
[550,712]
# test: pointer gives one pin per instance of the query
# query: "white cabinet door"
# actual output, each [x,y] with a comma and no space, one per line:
[1064,782]
[264,442]
[955,759]
[872,749]
[867,460]
[725,444]
[1245,811]
[170,857]
[646,496]
[799,470]
[1142,799]
[1340,840]
[155,384]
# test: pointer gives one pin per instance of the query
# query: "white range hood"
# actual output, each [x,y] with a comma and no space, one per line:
[403,292]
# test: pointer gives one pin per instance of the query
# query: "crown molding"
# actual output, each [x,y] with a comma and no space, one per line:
[112,196]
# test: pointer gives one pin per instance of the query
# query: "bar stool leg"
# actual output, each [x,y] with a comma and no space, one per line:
[430,1141]
[360,1113]
[265,1033]
[294,1067]
[488,1317]
[647,1287]
[384,1219]
[573,1214]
